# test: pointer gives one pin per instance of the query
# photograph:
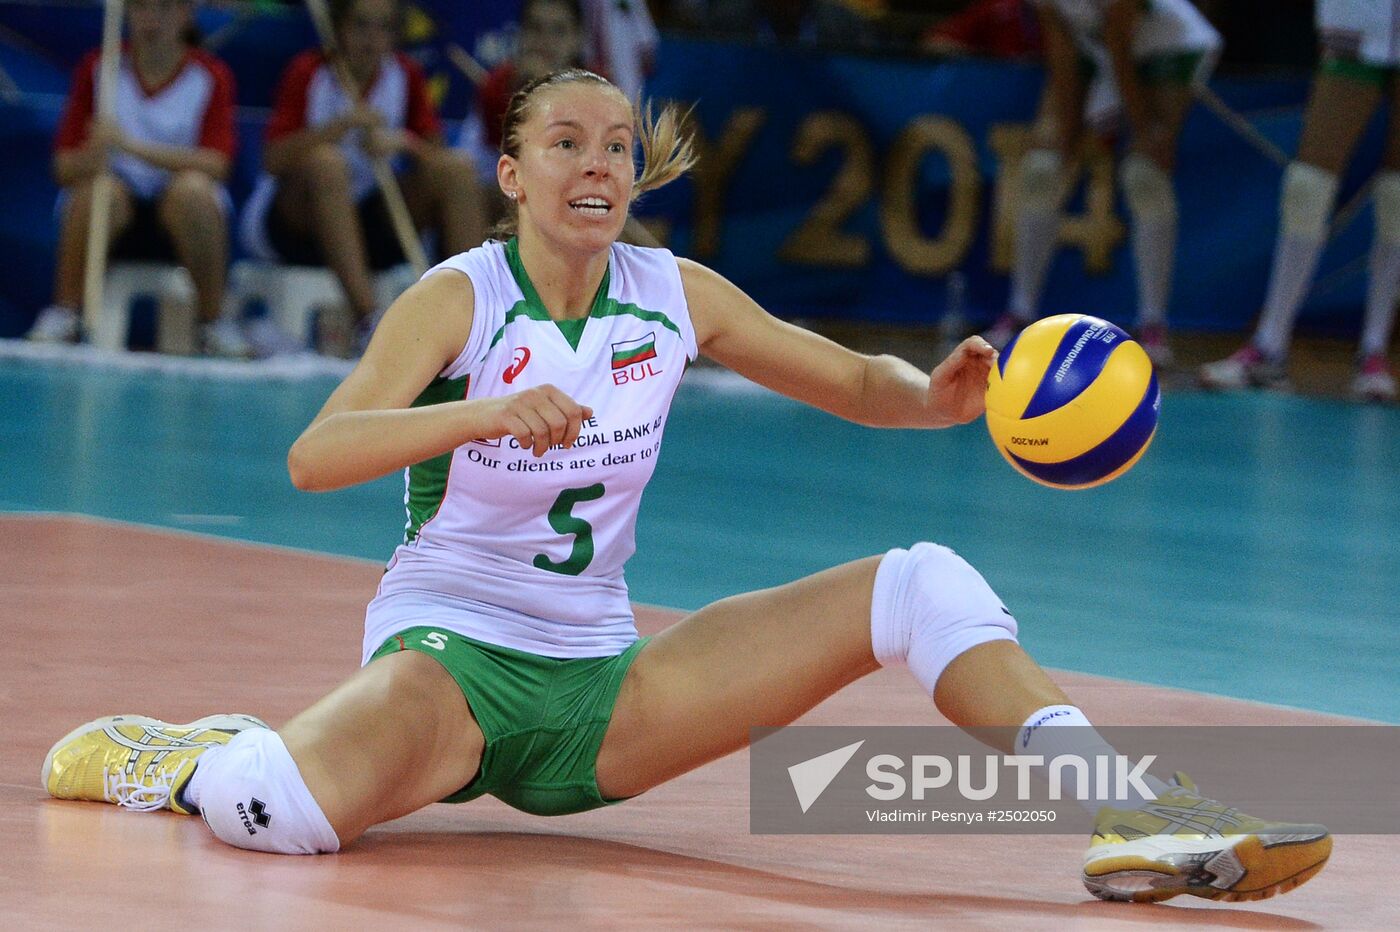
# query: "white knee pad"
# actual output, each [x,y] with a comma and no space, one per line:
[1147,189]
[929,606]
[1308,196]
[252,796]
[1040,179]
[1386,192]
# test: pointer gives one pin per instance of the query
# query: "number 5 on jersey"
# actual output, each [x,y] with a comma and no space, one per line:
[562,520]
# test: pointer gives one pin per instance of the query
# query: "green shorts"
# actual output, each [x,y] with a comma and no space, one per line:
[1354,69]
[544,718]
[1179,68]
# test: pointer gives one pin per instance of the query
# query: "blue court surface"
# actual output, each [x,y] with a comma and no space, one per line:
[1253,552]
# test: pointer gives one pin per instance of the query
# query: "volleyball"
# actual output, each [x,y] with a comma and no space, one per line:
[1072,402]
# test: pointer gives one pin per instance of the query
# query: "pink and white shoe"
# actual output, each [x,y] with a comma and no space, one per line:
[1247,367]
[1374,381]
[1153,339]
[1001,332]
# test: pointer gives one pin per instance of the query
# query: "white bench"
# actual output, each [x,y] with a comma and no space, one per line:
[298,295]
[173,291]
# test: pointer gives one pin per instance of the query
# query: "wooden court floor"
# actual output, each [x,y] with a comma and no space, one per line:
[102,618]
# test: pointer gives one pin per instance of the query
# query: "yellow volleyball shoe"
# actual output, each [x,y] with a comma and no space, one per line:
[1183,843]
[136,762]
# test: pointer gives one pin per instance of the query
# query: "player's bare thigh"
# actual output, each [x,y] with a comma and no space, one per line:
[393,738]
[759,659]
[1168,103]
[1391,160]
[1338,111]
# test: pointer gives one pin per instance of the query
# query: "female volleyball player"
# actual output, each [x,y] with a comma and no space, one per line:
[1107,62]
[524,386]
[1359,61]
[169,148]
[318,202]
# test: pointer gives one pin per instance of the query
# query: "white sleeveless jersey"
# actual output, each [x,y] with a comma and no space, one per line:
[523,551]
[1366,29]
[1166,27]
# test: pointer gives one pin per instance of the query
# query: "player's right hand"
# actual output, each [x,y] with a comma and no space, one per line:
[538,418]
[362,116]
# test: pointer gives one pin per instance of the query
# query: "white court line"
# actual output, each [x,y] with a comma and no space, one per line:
[302,367]
[295,368]
[211,520]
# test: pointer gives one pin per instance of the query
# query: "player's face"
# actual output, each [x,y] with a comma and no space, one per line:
[573,178]
[370,30]
[550,38]
[157,22]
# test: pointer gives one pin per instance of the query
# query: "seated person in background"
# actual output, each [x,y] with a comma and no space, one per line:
[317,201]
[623,42]
[824,23]
[169,146]
[987,28]
[550,39]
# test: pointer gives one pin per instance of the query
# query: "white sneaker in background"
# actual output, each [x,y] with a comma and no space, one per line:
[1373,380]
[224,338]
[1001,332]
[268,340]
[1245,368]
[1153,339]
[54,325]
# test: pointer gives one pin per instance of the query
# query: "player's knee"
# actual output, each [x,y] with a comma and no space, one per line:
[1147,188]
[1040,179]
[252,796]
[1386,192]
[189,194]
[326,167]
[1306,203]
[929,606]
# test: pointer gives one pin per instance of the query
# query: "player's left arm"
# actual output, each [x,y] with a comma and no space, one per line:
[878,391]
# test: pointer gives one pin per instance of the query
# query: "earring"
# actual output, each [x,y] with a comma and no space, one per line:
[511,195]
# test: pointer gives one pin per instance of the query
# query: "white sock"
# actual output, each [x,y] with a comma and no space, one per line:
[1154,250]
[1045,735]
[251,795]
[1385,265]
[1381,293]
[1295,260]
[1305,202]
[1036,232]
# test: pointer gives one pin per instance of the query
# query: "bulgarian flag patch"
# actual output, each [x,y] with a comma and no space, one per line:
[629,352]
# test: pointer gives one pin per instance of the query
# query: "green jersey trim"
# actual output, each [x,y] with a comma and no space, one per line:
[427,481]
[532,308]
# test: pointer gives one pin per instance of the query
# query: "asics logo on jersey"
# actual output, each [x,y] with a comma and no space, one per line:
[517,366]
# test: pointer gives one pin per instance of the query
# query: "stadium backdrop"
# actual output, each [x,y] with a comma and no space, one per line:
[832,186]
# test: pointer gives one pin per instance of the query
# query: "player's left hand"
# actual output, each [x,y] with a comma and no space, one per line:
[107,136]
[957,388]
[382,143]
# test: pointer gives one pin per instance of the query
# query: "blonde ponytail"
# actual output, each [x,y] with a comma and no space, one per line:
[667,152]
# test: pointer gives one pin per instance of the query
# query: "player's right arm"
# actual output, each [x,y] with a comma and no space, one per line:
[1062,75]
[75,158]
[368,428]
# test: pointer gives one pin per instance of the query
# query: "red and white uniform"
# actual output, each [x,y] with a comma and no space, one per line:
[309,96]
[193,110]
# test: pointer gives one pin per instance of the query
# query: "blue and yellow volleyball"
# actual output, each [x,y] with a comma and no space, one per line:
[1072,402]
